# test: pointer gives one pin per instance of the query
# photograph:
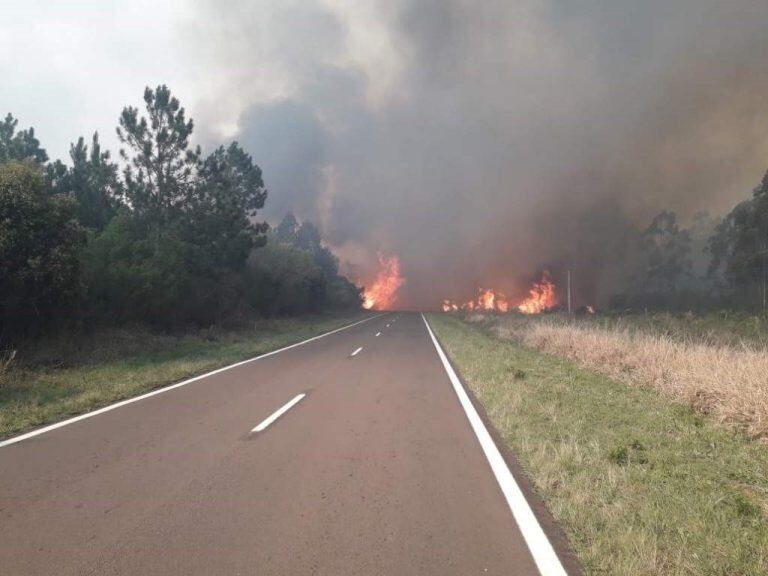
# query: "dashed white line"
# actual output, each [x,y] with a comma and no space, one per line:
[356,352]
[541,549]
[122,403]
[378,334]
[279,413]
[387,326]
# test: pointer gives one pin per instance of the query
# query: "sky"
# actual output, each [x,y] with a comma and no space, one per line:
[481,142]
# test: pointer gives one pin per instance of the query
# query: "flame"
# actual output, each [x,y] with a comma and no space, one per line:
[383,292]
[486,299]
[541,296]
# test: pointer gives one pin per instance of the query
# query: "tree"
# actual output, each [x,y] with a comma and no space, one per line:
[739,245]
[40,241]
[92,182]
[308,237]
[286,230]
[221,214]
[330,290]
[20,145]
[220,230]
[667,249]
[161,170]
[285,280]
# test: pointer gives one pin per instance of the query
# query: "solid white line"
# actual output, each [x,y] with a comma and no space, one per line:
[122,403]
[378,334]
[356,352]
[279,413]
[539,545]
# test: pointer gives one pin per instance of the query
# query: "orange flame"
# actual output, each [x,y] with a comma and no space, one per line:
[541,297]
[488,300]
[383,292]
[449,306]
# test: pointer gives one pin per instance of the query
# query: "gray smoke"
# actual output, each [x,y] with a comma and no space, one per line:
[483,142]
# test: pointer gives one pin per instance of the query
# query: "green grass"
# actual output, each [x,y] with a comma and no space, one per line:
[641,485]
[64,376]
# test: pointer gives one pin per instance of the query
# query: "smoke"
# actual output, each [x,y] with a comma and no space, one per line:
[483,142]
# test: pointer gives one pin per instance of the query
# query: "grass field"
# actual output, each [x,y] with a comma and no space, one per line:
[716,363]
[642,484]
[67,375]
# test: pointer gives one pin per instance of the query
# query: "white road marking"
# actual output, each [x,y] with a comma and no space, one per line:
[541,549]
[279,413]
[387,326]
[378,334]
[356,352]
[122,403]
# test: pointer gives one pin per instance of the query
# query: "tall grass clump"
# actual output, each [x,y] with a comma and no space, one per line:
[6,360]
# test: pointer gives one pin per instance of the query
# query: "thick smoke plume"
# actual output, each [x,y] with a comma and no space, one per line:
[485,141]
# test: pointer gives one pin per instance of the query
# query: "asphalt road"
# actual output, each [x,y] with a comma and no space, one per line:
[376,469]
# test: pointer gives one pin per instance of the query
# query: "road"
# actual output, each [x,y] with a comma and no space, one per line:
[349,454]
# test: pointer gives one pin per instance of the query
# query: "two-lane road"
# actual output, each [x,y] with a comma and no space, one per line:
[350,454]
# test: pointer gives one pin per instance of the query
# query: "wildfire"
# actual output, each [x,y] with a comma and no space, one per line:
[382,294]
[486,299]
[541,297]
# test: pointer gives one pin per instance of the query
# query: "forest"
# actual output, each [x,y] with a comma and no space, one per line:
[161,235]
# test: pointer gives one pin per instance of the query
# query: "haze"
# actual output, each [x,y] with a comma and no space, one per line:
[479,143]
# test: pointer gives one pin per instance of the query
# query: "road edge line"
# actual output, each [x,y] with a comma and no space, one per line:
[121,403]
[541,549]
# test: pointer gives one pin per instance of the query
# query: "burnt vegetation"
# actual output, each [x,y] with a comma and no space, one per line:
[165,237]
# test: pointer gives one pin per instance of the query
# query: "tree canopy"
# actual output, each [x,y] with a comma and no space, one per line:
[21,145]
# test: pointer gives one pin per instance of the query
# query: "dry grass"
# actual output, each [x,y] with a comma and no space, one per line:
[729,383]
[6,359]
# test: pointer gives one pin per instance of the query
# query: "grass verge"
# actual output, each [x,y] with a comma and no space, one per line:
[63,377]
[641,484]
[723,380]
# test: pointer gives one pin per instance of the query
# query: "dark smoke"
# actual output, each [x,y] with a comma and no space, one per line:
[484,142]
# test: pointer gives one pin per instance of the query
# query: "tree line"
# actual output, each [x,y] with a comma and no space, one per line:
[712,263]
[166,237]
